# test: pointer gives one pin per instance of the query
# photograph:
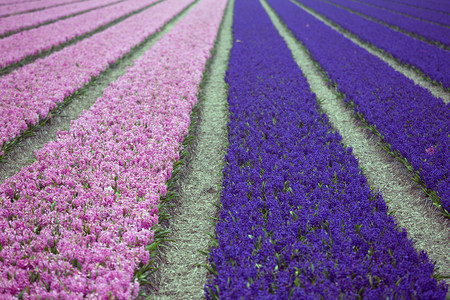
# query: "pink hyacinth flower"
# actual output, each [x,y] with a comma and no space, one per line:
[430,150]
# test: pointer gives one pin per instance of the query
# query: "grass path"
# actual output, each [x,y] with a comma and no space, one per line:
[180,276]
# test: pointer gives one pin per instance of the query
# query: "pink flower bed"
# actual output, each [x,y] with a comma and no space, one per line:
[17,22]
[28,94]
[4,2]
[31,42]
[77,221]
[21,7]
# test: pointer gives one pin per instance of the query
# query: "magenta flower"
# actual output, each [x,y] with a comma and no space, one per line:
[430,150]
[75,224]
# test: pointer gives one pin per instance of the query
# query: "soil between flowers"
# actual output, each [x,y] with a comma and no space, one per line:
[180,276]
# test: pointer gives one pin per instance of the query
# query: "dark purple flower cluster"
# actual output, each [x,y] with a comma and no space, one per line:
[299,220]
[407,115]
[438,6]
[431,60]
[429,31]
[424,14]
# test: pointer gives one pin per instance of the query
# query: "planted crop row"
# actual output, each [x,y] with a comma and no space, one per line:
[7,2]
[77,222]
[429,59]
[298,218]
[407,117]
[32,42]
[15,23]
[22,7]
[427,30]
[33,91]
[442,7]
[412,11]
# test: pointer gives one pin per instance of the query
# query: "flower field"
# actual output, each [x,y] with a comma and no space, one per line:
[431,32]
[17,22]
[15,7]
[93,212]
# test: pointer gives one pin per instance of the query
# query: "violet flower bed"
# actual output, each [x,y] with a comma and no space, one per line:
[298,219]
[431,60]
[22,7]
[427,30]
[412,11]
[18,22]
[442,7]
[77,221]
[411,120]
[32,42]
[31,92]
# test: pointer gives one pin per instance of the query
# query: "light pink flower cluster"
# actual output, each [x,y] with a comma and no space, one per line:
[76,222]
[31,42]
[21,7]
[28,94]
[17,22]
[4,2]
